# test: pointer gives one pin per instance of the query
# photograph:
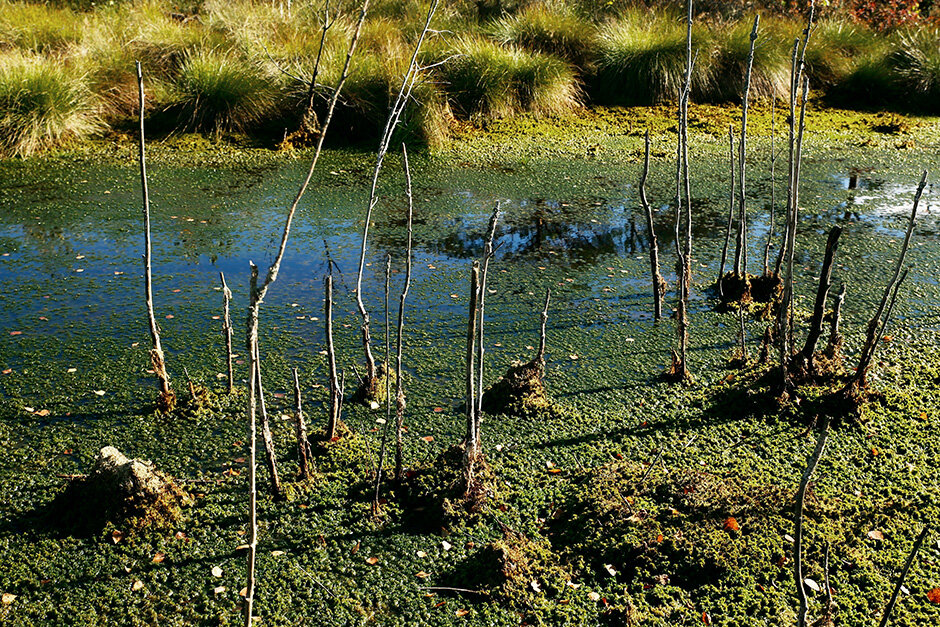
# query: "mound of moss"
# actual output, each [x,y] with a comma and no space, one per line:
[439,496]
[129,493]
[521,392]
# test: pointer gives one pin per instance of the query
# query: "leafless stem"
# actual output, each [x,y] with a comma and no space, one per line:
[303,445]
[266,436]
[311,90]
[540,356]
[800,502]
[472,439]
[822,295]
[740,253]
[731,187]
[336,390]
[907,567]
[773,179]
[256,297]
[227,330]
[391,123]
[388,390]
[399,386]
[659,285]
[835,338]
[156,352]
[484,267]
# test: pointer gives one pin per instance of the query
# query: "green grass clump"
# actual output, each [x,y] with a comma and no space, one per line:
[549,29]
[43,104]
[642,61]
[219,91]
[770,73]
[835,50]
[915,61]
[38,27]
[489,80]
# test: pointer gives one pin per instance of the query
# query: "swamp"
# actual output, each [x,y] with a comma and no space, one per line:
[468,410]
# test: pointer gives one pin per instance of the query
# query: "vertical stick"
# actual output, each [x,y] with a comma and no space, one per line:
[822,295]
[659,285]
[256,297]
[731,187]
[270,456]
[907,567]
[303,445]
[740,254]
[391,123]
[227,330]
[156,352]
[336,392]
[800,501]
[399,391]
[472,440]
[388,392]
[742,337]
[773,179]
[686,258]
[835,338]
[540,356]
[308,114]
[487,255]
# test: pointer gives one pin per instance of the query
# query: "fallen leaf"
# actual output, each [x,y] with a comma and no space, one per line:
[6,598]
[43,412]
[874,452]
[594,596]
[875,534]
[99,392]
[421,554]
[573,586]
[243,592]
[610,570]
[159,557]
[706,619]
[372,561]
[137,585]
[242,547]
[421,574]
[460,613]
[731,524]
[218,590]
[923,415]
[447,545]
[659,538]
[535,586]
[216,571]
[428,438]
[276,553]
[812,585]
[932,595]
[16,333]
[71,370]
[180,535]
[116,536]
[355,549]
[8,371]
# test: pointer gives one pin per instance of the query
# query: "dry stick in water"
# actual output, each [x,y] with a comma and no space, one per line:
[540,356]
[391,123]
[399,385]
[907,567]
[336,389]
[227,330]
[685,259]
[800,501]
[303,445]
[740,251]
[156,353]
[484,267]
[256,297]
[472,438]
[879,321]
[724,249]
[308,121]
[822,295]
[388,392]
[773,191]
[659,285]
[266,437]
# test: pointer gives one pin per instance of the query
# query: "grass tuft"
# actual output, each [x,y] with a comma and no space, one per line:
[771,70]
[219,91]
[43,104]
[489,80]
[915,60]
[549,29]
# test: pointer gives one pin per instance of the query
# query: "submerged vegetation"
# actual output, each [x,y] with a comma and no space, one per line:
[66,69]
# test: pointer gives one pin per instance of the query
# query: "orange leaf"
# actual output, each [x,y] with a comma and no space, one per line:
[460,613]
[372,561]
[421,574]
[355,549]
[116,536]
[8,371]
[934,595]
[159,557]
[438,409]
[874,534]
[16,333]
[731,524]
[441,604]
[874,452]
[659,538]
[706,618]
[554,471]
[428,438]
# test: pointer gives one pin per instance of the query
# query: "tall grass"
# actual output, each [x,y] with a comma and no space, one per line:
[38,27]
[771,70]
[642,60]
[549,28]
[486,79]
[43,104]
[838,47]
[218,91]
[915,59]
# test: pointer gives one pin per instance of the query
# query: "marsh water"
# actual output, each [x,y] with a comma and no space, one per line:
[71,244]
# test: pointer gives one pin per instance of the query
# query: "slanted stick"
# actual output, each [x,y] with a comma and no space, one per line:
[399,384]
[659,285]
[227,330]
